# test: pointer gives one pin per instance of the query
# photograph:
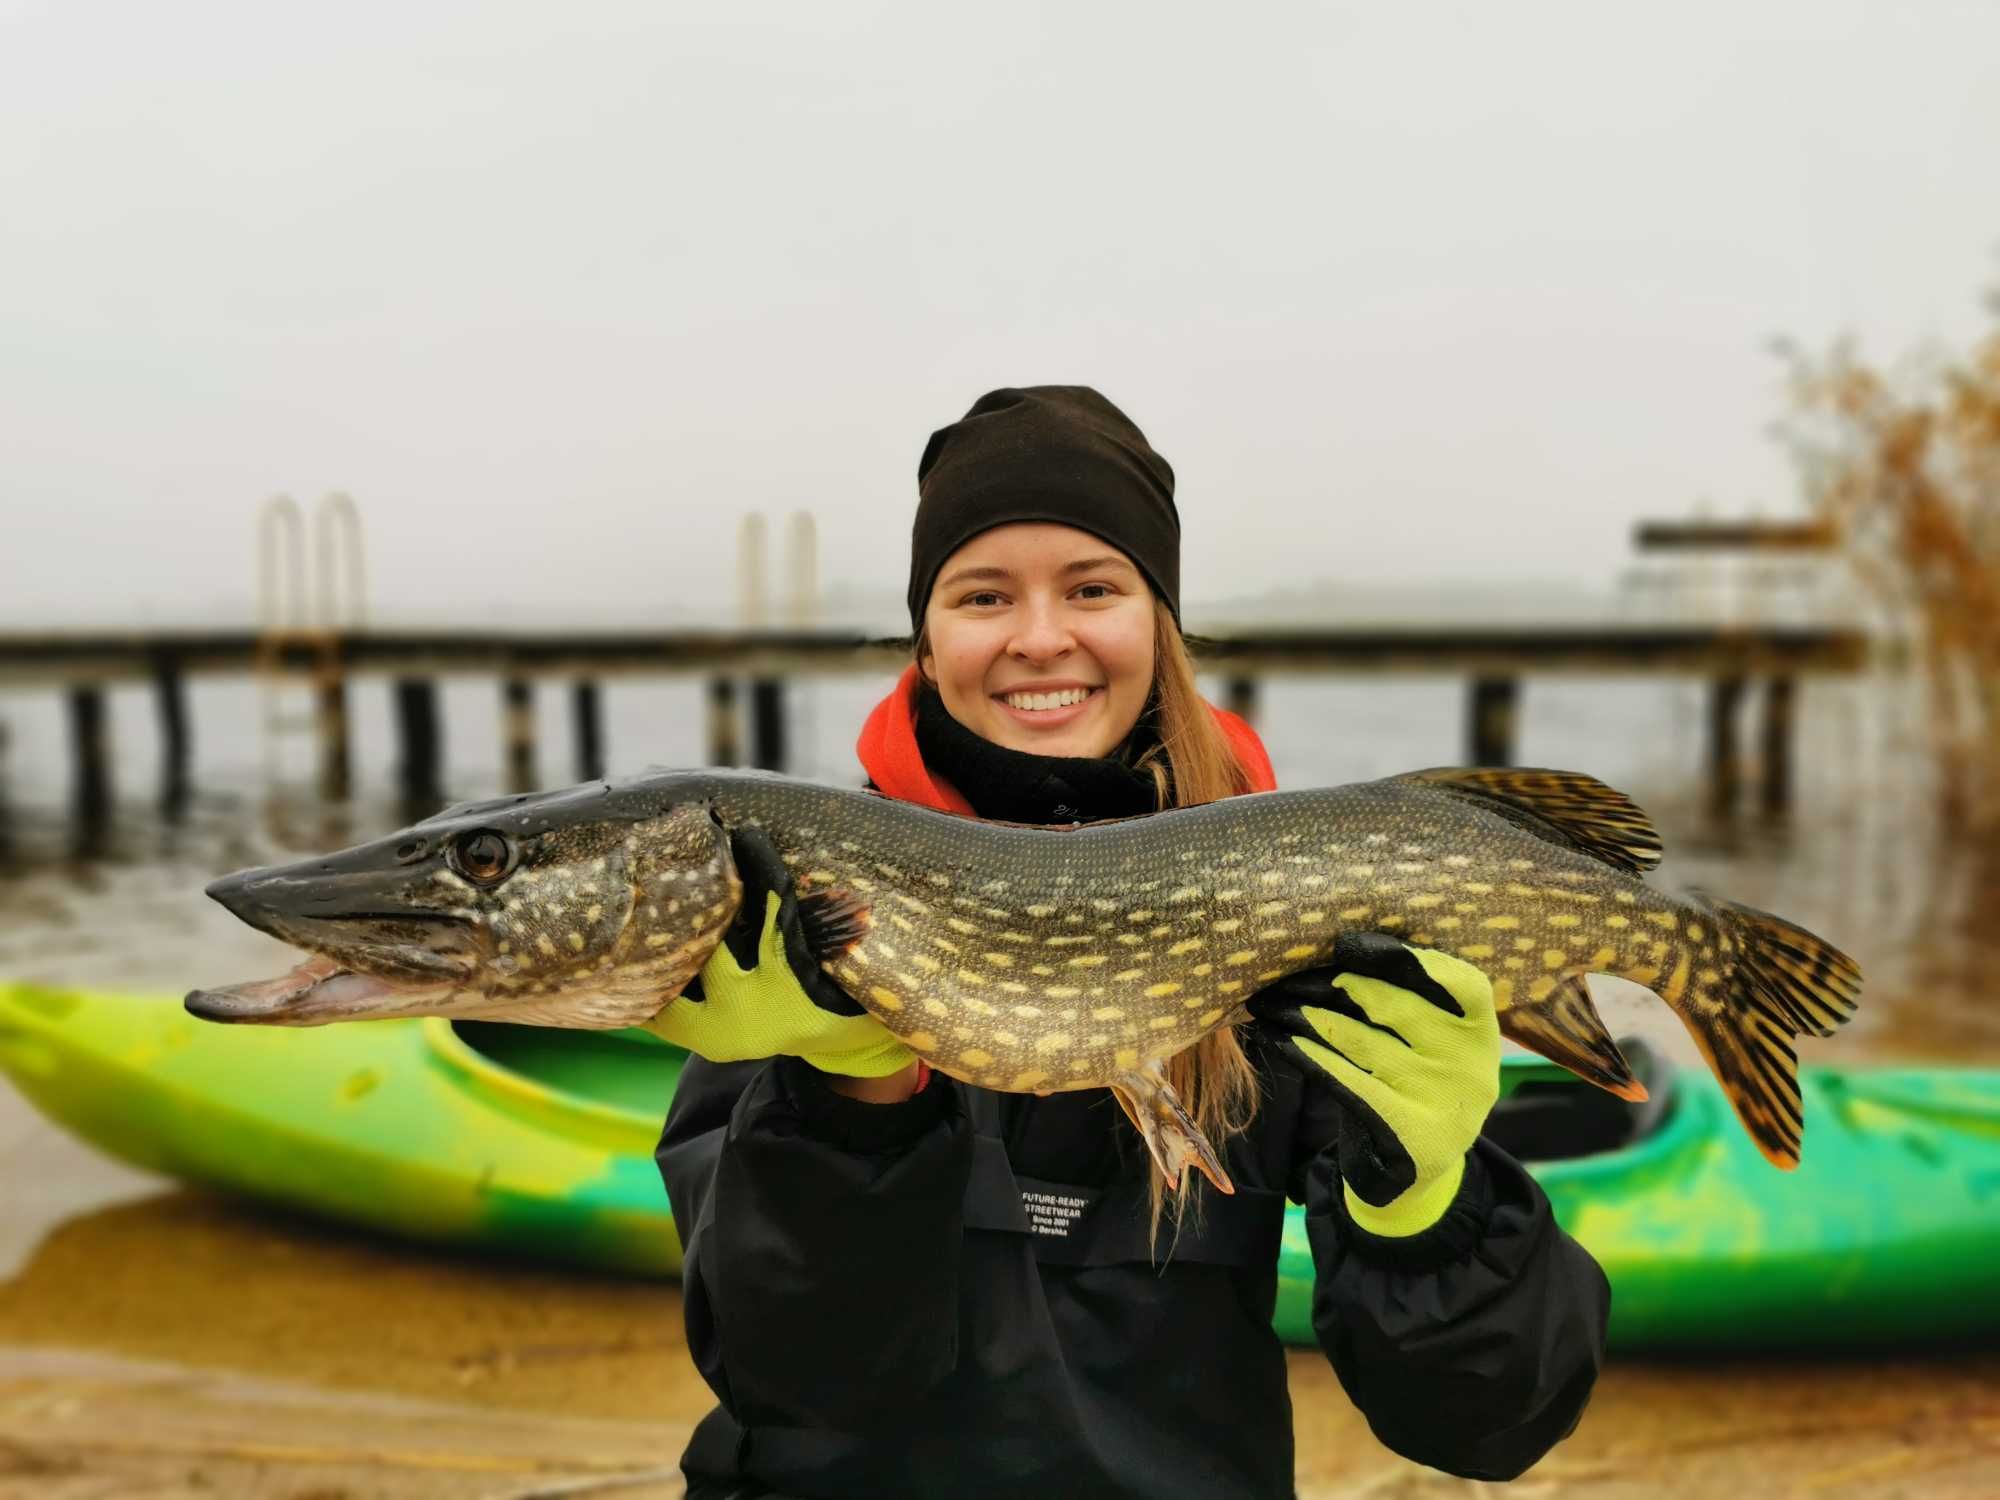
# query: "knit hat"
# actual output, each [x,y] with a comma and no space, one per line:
[1056,453]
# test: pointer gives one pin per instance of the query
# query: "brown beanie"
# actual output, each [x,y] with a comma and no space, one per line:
[1058,453]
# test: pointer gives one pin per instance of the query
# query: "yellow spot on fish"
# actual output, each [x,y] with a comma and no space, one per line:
[1272,908]
[1447,924]
[1394,919]
[975,1057]
[657,940]
[1229,986]
[1229,924]
[1554,958]
[925,962]
[921,1041]
[576,942]
[1164,1023]
[1625,898]
[1186,893]
[935,1007]
[1356,913]
[1240,956]
[1476,950]
[1027,1079]
[1055,1041]
[1154,991]
[1006,1039]
[973,977]
[1204,969]
[1604,958]
[887,999]
[1210,1017]
[1565,919]
[1424,902]
[1457,861]
[1038,912]
[1614,920]
[1129,974]
[1303,950]
[1503,993]
[1186,945]
[1086,961]
[998,960]
[1107,1013]
[1541,988]
[1523,944]
[1125,1057]
[959,924]
[1501,924]
[1477,888]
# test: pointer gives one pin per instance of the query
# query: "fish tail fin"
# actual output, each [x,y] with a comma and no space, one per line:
[1169,1132]
[1772,982]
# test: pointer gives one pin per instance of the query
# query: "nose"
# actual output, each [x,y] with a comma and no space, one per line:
[1044,633]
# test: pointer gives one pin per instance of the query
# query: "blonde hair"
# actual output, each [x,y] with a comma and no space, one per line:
[1191,764]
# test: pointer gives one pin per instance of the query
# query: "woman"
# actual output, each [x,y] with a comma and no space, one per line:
[899,1284]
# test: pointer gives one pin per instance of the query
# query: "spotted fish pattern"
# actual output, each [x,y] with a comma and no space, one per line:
[1034,959]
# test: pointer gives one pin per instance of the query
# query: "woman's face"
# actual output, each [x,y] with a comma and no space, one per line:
[1041,639]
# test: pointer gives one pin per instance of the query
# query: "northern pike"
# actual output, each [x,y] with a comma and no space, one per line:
[1042,959]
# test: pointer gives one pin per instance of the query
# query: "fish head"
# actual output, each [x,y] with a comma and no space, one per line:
[589,907]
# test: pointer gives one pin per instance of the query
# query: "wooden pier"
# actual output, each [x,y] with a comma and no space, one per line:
[749,669]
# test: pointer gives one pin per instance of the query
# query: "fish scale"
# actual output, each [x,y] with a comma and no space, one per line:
[1036,959]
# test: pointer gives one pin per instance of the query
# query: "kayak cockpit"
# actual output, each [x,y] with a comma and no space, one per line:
[1548,1114]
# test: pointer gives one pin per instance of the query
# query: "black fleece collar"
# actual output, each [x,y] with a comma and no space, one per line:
[1012,786]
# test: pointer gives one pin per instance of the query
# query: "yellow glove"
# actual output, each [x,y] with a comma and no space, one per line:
[782,1003]
[1410,1042]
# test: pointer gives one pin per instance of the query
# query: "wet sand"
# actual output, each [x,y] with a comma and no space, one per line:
[158,1340]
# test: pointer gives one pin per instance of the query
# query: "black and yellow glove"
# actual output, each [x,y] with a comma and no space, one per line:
[763,994]
[1410,1043]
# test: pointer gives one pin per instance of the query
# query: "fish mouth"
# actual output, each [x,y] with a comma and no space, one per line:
[318,990]
[363,963]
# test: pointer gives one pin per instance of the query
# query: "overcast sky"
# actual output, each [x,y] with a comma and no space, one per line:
[559,292]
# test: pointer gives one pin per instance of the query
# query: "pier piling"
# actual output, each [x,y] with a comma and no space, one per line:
[1491,716]
[587,719]
[767,724]
[517,721]
[1240,698]
[170,697]
[725,736]
[417,737]
[336,775]
[90,748]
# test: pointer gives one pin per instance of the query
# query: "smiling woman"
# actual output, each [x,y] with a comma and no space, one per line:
[1039,640]
[907,1284]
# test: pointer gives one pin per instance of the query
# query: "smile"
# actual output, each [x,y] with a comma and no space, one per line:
[1042,702]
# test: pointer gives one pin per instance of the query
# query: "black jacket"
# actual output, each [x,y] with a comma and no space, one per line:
[956,1297]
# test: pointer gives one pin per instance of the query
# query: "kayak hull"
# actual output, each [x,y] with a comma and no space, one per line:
[540,1143]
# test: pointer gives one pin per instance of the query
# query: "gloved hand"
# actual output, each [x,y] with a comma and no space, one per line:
[1409,1039]
[762,993]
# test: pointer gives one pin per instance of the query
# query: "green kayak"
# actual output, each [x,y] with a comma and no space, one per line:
[540,1142]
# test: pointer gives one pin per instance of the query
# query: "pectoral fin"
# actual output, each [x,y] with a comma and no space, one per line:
[1564,1027]
[1175,1140]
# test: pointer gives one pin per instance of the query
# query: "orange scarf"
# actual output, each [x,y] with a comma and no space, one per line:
[889,752]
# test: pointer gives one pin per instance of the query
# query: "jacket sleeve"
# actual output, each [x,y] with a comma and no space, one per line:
[1471,1347]
[820,1240]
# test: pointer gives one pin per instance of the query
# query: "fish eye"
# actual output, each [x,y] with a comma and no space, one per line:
[482,856]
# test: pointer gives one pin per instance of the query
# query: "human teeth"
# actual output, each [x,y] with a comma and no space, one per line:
[1062,699]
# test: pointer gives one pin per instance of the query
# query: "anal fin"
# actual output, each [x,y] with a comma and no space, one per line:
[1175,1141]
[1564,1027]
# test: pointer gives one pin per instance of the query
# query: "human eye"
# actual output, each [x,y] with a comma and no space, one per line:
[1091,591]
[981,599]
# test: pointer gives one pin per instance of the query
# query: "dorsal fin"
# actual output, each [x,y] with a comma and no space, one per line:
[1564,807]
